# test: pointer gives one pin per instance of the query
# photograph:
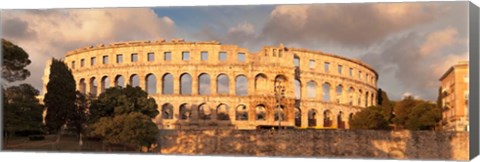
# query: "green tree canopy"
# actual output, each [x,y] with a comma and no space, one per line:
[60,97]
[15,59]
[124,116]
[424,116]
[402,110]
[118,101]
[369,118]
[22,112]
[132,129]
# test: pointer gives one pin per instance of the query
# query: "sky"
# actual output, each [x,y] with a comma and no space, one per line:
[410,45]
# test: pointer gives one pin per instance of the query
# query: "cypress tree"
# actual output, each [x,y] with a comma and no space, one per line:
[60,97]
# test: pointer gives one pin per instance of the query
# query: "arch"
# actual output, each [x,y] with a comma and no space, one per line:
[298,89]
[82,86]
[119,81]
[279,113]
[185,111]
[93,86]
[340,122]
[326,91]
[312,118]
[298,117]
[167,83]
[151,83]
[104,83]
[261,83]
[359,97]
[134,80]
[366,99]
[312,89]
[351,92]
[204,84]
[222,112]
[339,92]
[204,112]
[260,112]
[167,111]
[327,119]
[241,112]
[223,84]
[372,98]
[241,85]
[185,84]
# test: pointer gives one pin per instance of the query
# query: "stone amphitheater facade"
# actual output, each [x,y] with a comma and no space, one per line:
[209,85]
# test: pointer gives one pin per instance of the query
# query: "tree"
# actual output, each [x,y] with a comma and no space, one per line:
[77,119]
[424,116]
[402,111]
[385,104]
[369,118]
[60,97]
[15,59]
[132,129]
[22,111]
[124,116]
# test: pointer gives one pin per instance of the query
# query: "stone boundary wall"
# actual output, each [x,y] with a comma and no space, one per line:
[317,143]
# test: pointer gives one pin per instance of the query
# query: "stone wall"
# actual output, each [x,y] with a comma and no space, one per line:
[317,143]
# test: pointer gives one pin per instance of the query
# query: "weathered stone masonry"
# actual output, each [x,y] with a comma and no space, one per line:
[428,145]
[320,90]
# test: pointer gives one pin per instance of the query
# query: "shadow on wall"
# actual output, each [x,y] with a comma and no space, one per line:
[317,143]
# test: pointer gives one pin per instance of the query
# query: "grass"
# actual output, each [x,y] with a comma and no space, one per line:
[66,144]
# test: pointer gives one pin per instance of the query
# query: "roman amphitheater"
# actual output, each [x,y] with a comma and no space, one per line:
[210,85]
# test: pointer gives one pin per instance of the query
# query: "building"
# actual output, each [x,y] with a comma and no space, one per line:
[454,90]
[207,84]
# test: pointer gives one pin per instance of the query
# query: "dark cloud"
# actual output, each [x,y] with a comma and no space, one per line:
[17,28]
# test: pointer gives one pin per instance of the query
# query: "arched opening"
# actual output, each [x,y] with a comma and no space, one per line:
[339,92]
[185,84]
[298,89]
[359,98]
[279,113]
[241,112]
[204,84]
[185,111]
[280,86]
[222,112]
[241,85]
[105,84]
[260,112]
[223,84]
[167,111]
[204,112]
[167,84]
[298,117]
[366,100]
[326,92]
[350,95]
[82,86]
[119,81]
[327,119]
[151,84]
[93,86]
[340,122]
[261,84]
[312,118]
[134,80]
[311,89]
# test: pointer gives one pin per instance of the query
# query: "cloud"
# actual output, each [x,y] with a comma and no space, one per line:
[50,33]
[348,24]
[438,40]
[413,71]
